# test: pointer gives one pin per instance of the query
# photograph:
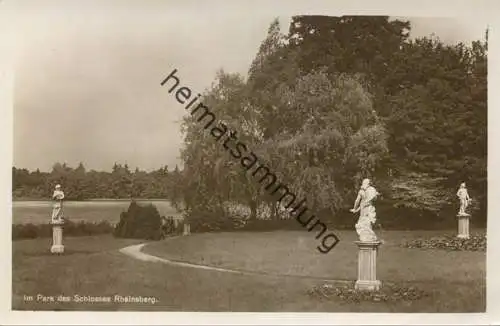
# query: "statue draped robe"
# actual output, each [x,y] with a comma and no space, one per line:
[367,215]
[57,207]
[463,195]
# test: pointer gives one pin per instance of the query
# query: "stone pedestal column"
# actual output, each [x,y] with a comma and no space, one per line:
[57,238]
[367,266]
[187,229]
[463,226]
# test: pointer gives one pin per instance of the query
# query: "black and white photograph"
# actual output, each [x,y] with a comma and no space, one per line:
[171,157]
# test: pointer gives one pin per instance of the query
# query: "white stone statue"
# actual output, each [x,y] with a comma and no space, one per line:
[463,195]
[364,204]
[57,208]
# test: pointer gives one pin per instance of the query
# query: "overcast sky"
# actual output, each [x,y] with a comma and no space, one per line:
[87,77]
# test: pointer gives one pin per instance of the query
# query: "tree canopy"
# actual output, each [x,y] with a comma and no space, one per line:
[338,99]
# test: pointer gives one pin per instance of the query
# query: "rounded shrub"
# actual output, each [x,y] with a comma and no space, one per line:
[139,222]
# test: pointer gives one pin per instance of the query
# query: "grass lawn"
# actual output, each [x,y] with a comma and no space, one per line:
[93,266]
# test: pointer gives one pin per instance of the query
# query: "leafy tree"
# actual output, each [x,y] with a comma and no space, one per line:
[360,45]
[300,128]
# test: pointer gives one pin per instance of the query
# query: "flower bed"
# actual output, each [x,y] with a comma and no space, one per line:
[388,292]
[474,243]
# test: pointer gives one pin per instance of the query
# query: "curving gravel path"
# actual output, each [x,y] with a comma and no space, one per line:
[135,251]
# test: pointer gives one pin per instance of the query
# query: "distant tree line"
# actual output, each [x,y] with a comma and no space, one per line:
[80,184]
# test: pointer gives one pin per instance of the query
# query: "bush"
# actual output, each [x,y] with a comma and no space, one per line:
[139,222]
[213,221]
[85,229]
[30,231]
[72,229]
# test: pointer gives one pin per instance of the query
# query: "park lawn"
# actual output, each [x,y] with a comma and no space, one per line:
[455,280]
[94,266]
[294,253]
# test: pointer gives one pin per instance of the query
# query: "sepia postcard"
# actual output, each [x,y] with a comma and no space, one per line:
[249,162]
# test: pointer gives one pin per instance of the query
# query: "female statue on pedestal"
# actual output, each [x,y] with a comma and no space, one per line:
[367,216]
[463,195]
[57,208]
